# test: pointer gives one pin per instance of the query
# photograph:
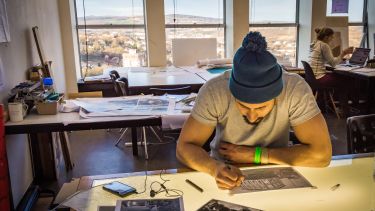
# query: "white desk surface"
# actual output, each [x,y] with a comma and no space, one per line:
[356,191]
[67,118]
[159,76]
[201,72]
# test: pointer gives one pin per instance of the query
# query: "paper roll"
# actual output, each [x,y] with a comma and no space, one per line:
[204,62]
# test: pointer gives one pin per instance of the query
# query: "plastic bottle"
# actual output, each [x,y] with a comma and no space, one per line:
[48,84]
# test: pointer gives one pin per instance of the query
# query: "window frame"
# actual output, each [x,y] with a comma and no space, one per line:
[105,26]
[200,25]
[364,22]
[295,24]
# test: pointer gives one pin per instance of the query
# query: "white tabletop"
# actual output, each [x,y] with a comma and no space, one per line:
[160,76]
[355,176]
[66,119]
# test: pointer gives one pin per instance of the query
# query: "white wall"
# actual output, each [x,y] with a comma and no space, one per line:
[19,55]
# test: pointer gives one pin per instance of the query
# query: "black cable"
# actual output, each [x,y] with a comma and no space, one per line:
[165,180]
[86,39]
[174,18]
[163,188]
[145,183]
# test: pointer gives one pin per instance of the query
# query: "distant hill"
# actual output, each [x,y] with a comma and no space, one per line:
[180,19]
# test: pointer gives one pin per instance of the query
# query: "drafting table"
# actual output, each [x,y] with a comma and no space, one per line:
[354,173]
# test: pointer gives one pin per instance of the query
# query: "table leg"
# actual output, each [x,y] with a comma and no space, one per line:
[134,141]
[370,98]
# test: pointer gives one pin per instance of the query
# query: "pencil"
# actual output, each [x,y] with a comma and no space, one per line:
[194,185]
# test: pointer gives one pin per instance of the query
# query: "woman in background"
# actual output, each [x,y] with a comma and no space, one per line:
[320,55]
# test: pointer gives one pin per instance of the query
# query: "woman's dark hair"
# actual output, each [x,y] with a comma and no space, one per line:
[321,33]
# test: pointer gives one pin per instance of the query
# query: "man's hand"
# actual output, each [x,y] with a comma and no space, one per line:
[228,176]
[236,153]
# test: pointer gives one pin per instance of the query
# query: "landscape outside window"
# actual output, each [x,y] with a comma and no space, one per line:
[355,22]
[279,27]
[116,30]
[115,35]
[194,19]
[355,35]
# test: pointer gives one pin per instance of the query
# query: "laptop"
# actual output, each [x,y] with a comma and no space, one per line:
[357,60]
[359,56]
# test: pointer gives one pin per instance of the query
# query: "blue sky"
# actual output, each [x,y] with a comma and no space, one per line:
[282,10]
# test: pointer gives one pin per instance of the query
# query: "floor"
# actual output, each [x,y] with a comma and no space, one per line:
[94,152]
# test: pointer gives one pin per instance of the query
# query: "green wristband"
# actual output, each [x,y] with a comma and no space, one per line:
[257,155]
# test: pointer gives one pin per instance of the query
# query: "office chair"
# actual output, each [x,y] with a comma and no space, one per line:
[361,134]
[319,88]
[114,76]
[168,133]
[115,73]
[122,89]
[123,86]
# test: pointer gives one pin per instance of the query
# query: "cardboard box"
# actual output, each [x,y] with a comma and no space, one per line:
[50,107]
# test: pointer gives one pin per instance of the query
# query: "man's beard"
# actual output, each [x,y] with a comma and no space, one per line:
[252,123]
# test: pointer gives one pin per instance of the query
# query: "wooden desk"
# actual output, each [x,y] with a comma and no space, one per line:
[106,87]
[34,124]
[364,74]
[353,173]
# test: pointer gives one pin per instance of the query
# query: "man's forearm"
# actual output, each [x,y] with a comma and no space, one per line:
[196,158]
[299,155]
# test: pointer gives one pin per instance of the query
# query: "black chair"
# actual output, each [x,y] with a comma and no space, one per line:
[123,86]
[361,134]
[115,73]
[318,88]
[114,76]
[122,90]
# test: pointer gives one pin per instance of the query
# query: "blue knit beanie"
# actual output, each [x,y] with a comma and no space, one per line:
[256,76]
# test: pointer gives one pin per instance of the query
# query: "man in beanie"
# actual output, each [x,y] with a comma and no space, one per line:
[253,108]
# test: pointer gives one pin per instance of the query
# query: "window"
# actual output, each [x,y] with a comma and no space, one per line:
[279,27]
[355,22]
[110,34]
[355,19]
[194,19]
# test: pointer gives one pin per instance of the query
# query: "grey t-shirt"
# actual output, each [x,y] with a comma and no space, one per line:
[215,106]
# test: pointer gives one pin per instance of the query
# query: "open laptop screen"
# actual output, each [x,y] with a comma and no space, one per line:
[359,56]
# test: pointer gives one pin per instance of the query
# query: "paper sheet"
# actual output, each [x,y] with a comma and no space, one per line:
[264,179]
[4,25]
[124,106]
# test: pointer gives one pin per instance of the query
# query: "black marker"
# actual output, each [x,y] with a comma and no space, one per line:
[333,188]
[194,185]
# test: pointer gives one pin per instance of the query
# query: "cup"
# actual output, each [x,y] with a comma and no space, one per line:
[17,111]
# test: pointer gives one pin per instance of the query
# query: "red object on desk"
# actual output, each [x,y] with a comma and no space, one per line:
[4,171]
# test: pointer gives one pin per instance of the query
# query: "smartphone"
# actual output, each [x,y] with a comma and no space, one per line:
[119,188]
